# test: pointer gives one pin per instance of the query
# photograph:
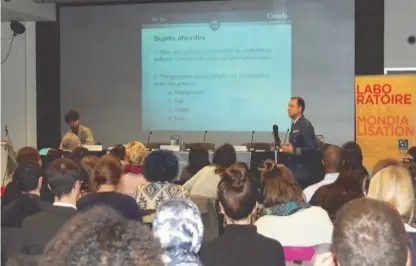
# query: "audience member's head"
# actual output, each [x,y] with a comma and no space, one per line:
[100,236]
[119,151]
[368,232]
[224,156]
[198,159]
[72,119]
[107,173]
[70,141]
[412,152]
[279,185]
[332,159]
[28,178]
[135,153]
[53,154]
[79,153]
[352,153]
[393,185]
[237,194]
[63,176]
[383,164]
[89,162]
[87,165]
[179,228]
[28,155]
[409,162]
[411,167]
[161,166]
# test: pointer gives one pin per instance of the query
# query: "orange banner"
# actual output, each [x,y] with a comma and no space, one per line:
[385,116]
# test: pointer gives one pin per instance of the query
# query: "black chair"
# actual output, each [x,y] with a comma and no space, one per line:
[207,146]
[258,146]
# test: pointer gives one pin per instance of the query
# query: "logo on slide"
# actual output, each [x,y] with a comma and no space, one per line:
[214,25]
[403,144]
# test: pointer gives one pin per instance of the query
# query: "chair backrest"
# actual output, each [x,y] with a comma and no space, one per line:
[148,216]
[209,216]
[24,260]
[11,243]
[207,146]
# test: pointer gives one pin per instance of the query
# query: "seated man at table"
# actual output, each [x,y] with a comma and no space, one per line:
[84,133]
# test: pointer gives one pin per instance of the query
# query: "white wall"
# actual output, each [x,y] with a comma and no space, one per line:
[399,23]
[26,10]
[18,86]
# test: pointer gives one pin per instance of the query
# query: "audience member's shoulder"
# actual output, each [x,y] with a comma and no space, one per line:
[34,219]
[267,243]
[210,248]
[44,205]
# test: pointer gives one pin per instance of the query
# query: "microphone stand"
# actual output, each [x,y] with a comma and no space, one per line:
[11,163]
[148,137]
[205,134]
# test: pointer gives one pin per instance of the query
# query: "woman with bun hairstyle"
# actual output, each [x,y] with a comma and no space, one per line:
[240,244]
[287,218]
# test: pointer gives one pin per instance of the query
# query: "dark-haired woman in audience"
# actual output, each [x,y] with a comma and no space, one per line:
[77,155]
[286,217]
[87,165]
[119,151]
[178,227]
[205,182]
[160,168]
[240,245]
[106,176]
[350,184]
[133,168]
[11,191]
[352,154]
[409,162]
[53,154]
[198,159]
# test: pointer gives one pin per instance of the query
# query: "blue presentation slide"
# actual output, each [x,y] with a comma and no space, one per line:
[231,76]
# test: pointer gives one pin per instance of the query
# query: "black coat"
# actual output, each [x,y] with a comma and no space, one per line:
[241,245]
[40,228]
[302,138]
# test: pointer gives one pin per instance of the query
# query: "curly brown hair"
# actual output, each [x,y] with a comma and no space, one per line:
[100,236]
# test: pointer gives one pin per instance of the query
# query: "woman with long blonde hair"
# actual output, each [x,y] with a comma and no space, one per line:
[393,185]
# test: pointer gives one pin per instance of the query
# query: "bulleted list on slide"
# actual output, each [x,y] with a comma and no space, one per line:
[231,77]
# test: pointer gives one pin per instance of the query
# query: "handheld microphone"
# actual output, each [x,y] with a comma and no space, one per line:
[205,134]
[287,133]
[148,137]
[276,135]
[252,136]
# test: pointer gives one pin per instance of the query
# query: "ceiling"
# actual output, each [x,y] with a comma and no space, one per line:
[80,2]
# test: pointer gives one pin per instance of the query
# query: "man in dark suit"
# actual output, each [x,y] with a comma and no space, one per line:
[302,144]
[63,176]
